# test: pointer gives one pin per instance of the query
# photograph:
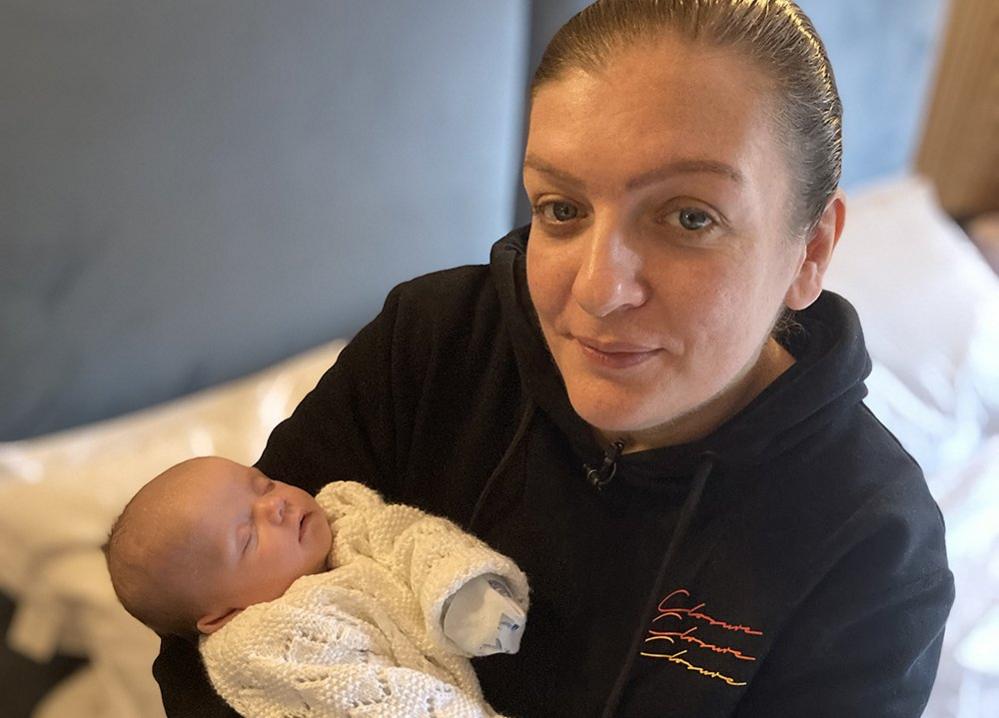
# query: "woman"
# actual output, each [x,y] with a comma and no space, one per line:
[711,521]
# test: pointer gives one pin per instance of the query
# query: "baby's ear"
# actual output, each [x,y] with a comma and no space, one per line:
[211,622]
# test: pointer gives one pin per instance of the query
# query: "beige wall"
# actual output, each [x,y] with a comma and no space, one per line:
[960,146]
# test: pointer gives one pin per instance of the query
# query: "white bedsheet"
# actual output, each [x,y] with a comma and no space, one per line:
[968,680]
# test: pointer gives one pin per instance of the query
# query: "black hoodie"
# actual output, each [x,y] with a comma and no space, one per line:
[791,563]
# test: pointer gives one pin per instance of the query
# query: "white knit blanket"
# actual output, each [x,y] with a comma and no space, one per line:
[364,639]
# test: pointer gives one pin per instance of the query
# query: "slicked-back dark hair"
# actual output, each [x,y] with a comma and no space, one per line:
[774,34]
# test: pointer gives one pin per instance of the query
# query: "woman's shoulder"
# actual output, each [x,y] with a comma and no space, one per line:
[858,493]
[446,313]
[454,290]
[872,461]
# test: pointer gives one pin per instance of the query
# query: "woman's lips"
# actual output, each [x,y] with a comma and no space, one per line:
[615,355]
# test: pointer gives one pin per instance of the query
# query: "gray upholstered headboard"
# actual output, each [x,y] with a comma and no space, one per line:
[190,191]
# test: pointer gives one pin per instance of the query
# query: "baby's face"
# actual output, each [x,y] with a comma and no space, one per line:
[253,536]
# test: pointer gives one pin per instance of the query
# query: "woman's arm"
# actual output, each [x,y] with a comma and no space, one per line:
[185,688]
[860,649]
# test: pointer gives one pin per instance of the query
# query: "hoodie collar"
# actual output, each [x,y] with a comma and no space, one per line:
[825,381]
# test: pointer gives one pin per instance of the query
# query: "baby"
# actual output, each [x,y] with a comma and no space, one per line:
[315,606]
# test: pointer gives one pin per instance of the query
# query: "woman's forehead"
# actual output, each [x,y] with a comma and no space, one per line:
[644,111]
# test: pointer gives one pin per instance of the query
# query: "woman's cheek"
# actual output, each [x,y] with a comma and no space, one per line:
[716,312]
[549,281]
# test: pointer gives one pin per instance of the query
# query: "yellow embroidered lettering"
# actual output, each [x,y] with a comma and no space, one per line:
[675,658]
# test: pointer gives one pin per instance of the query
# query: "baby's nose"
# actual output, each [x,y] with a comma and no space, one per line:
[273,508]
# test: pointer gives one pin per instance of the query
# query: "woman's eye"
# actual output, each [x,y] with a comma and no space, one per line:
[693,220]
[560,213]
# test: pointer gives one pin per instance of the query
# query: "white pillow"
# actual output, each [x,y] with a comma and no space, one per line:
[62,491]
[936,439]
[929,306]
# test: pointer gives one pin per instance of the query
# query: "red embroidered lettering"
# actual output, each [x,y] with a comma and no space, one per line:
[669,609]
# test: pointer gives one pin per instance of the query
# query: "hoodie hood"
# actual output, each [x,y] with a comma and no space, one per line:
[825,382]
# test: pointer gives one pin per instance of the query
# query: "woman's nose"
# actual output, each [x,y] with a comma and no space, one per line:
[609,274]
[271,508]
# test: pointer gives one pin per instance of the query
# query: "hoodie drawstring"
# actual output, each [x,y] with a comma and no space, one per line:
[600,477]
[683,522]
[525,421]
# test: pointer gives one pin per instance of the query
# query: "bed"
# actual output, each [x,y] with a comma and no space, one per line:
[930,308]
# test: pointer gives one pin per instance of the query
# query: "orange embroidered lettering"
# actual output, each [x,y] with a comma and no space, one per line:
[675,658]
[685,636]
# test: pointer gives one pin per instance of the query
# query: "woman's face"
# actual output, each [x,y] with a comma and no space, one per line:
[659,253]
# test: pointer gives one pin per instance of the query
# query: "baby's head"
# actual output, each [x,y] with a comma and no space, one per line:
[209,537]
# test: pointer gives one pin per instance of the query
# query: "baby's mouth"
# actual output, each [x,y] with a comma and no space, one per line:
[301,526]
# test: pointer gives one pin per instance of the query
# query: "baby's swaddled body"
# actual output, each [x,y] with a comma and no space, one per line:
[368,637]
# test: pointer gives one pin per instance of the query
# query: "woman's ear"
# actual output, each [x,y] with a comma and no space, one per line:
[820,243]
[211,622]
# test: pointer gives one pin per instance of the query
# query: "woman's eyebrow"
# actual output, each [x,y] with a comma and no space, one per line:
[685,166]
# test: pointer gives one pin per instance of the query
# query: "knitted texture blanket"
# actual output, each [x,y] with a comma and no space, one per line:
[365,638]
